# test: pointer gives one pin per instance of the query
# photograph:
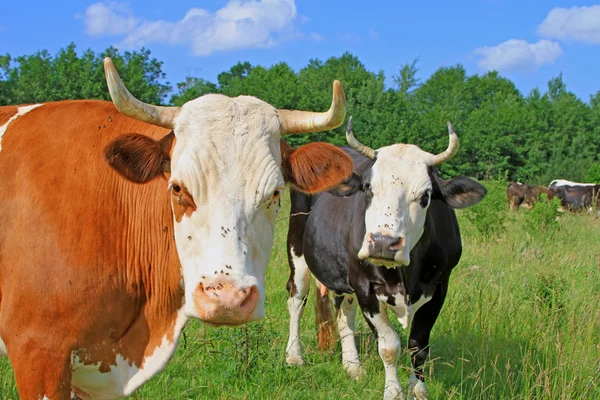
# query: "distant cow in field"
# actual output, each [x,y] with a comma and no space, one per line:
[389,246]
[119,222]
[522,195]
[563,182]
[578,197]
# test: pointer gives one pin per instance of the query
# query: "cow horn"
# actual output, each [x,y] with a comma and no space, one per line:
[294,121]
[132,107]
[356,145]
[450,151]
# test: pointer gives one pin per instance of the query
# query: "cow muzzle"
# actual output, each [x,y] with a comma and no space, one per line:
[384,249]
[225,303]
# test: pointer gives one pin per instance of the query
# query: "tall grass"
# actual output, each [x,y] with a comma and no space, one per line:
[521,321]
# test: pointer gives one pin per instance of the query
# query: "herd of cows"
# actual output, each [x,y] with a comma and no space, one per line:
[120,221]
[573,196]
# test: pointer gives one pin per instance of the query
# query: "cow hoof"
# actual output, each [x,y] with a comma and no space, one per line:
[295,360]
[393,393]
[417,391]
[356,372]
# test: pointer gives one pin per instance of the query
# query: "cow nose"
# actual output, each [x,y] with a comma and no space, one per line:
[384,246]
[225,303]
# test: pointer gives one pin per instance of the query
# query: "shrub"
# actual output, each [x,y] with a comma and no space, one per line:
[593,173]
[489,216]
[543,218]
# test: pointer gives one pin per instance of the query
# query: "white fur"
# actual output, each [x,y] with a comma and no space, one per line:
[346,326]
[416,388]
[404,311]
[20,112]
[227,155]
[3,352]
[398,180]
[414,307]
[389,350]
[296,309]
[562,182]
[125,377]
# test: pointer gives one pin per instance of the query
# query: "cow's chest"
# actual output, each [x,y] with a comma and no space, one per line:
[404,307]
[92,381]
[123,377]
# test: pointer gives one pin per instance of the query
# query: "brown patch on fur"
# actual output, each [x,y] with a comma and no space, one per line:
[102,265]
[6,113]
[324,320]
[525,195]
[183,202]
[315,167]
[138,157]
[389,356]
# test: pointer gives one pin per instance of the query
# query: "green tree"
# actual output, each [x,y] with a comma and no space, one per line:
[503,134]
[41,77]
[230,81]
[407,79]
[191,89]
[4,83]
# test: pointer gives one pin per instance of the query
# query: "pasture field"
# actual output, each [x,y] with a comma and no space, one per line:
[521,321]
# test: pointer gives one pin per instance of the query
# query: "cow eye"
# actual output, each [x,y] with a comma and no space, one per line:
[176,188]
[274,198]
[276,195]
[367,188]
[424,200]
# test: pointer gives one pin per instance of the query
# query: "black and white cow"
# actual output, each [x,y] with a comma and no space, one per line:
[391,245]
[576,196]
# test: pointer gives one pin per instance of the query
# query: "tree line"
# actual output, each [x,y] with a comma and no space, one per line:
[504,134]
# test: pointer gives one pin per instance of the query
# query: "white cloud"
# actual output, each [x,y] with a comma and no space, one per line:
[110,19]
[518,54]
[317,37]
[373,34]
[575,23]
[240,24]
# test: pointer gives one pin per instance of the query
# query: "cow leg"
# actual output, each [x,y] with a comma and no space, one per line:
[418,342]
[41,373]
[388,345]
[346,316]
[297,286]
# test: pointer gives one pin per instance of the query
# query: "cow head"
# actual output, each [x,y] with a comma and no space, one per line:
[228,167]
[399,188]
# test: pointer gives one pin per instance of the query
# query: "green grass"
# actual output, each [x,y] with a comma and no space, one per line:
[521,321]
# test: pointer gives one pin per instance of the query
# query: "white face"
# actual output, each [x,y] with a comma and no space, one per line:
[225,182]
[398,191]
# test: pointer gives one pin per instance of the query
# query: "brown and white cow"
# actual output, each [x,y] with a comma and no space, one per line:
[100,270]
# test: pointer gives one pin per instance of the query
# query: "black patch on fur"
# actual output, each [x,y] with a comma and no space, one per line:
[349,186]
[459,192]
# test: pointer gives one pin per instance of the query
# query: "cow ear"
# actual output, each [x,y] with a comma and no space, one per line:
[460,192]
[315,167]
[349,186]
[140,158]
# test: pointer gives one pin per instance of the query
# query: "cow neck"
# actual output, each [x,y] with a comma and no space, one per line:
[151,262]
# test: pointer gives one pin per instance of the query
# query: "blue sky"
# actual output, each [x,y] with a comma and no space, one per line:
[527,41]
